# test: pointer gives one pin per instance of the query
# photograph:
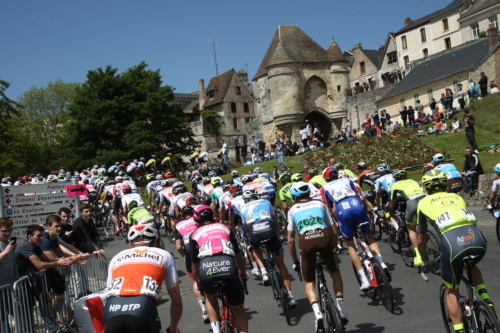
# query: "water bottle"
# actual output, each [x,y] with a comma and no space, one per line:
[368,267]
[466,304]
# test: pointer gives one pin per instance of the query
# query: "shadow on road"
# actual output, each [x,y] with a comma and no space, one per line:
[303,308]
[372,328]
[250,313]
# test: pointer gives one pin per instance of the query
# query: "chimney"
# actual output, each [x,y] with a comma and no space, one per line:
[492,35]
[201,95]
[243,75]
[408,20]
[381,48]
[467,4]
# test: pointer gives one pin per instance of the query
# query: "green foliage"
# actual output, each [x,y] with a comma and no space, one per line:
[124,116]
[8,107]
[483,34]
[211,121]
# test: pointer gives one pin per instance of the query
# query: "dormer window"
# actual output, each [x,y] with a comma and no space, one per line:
[211,94]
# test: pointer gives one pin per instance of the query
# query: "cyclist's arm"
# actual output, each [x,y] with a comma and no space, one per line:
[422,233]
[173,290]
[331,226]
[493,194]
[291,238]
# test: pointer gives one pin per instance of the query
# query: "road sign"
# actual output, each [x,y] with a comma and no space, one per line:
[34,199]
[76,190]
[20,222]
[37,209]
[19,233]
[41,188]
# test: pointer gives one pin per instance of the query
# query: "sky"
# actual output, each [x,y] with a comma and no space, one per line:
[44,40]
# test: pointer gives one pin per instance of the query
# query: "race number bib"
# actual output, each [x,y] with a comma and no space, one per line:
[115,287]
[150,287]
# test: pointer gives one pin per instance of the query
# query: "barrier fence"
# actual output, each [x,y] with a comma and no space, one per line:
[37,304]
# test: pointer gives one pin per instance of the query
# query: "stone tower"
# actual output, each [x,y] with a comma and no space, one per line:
[299,80]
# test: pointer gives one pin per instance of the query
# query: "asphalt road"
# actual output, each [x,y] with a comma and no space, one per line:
[417,306]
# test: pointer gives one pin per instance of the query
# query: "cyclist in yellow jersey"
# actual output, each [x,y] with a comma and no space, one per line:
[284,192]
[316,179]
[409,191]
[460,238]
[340,167]
[167,161]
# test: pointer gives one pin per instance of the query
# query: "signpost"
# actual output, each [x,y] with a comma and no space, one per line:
[76,190]
[37,209]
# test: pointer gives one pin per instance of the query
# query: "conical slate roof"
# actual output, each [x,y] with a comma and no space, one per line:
[291,44]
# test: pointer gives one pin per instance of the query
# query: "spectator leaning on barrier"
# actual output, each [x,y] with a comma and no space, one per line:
[85,235]
[8,268]
[50,241]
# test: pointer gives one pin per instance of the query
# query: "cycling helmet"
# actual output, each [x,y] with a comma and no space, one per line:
[245,179]
[313,171]
[235,190]
[399,173]
[226,184]
[296,177]
[178,189]
[497,168]
[117,163]
[339,166]
[383,168]
[85,181]
[212,174]
[343,174]
[192,201]
[142,159]
[76,174]
[258,170]
[216,181]
[254,175]
[61,176]
[362,165]
[118,179]
[84,172]
[206,180]
[438,158]
[197,178]
[187,210]
[126,189]
[203,214]
[300,189]
[121,173]
[285,177]
[249,194]
[132,204]
[330,173]
[150,177]
[144,231]
[234,173]
[169,175]
[95,172]
[434,180]
[106,179]
[159,177]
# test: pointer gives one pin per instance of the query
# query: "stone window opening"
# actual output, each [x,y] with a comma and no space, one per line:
[407,62]
[475,31]
[238,91]
[425,53]
[247,120]
[339,88]
[423,37]
[446,27]
[403,42]
[211,94]
[402,102]
[392,57]
[447,43]
[233,107]
[363,67]
[246,109]
[429,92]
[235,123]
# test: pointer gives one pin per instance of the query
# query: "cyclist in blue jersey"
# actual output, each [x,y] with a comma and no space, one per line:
[236,179]
[455,183]
[383,186]
[260,222]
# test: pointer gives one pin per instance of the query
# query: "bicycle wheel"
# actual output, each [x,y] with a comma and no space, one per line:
[448,324]
[161,231]
[280,215]
[169,232]
[332,320]
[384,287]
[486,319]
[376,227]
[433,251]
[123,230]
[284,301]
[370,293]
[108,225]
[404,247]
[391,235]
[243,249]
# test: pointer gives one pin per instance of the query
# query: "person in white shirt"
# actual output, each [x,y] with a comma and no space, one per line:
[304,134]
[455,125]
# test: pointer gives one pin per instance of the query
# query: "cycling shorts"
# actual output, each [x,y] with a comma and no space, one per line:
[117,205]
[370,195]
[454,185]
[135,314]
[411,210]
[273,244]
[312,242]
[352,214]
[187,261]
[457,244]
[220,272]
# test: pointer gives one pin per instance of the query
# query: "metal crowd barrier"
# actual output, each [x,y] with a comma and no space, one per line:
[30,306]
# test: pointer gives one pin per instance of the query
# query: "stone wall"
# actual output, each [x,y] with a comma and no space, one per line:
[483,186]
[361,104]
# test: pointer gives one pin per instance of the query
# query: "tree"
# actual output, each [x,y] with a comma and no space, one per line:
[124,116]
[8,107]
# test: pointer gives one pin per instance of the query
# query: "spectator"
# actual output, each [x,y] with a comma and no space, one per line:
[333,161]
[455,125]
[255,156]
[66,228]
[419,107]
[432,105]
[383,119]
[376,122]
[309,128]
[306,173]
[295,148]
[472,89]
[8,268]
[276,174]
[255,141]
[449,97]
[237,151]
[355,135]
[472,169]
[368,125]
[348,129]
[280,135]
[483,84]
[85,235]
[224,152]
[469,130]
[411,115]
[404,115]
[494,87]
[461,98]
[390,127]
[244,151]
[204,157]
[50,241]
[317,132]
[438,124]
[304,135]
[261,149]
[280,151]
[397,125]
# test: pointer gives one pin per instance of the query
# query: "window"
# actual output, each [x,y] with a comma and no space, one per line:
[339,88]
[415,97]
[403,42]
[423,37]
[235,123]
[447,43]
[238,91]
[211,94]
[455,86]
[392,57]
[475,31]
[233,107]
[407,62]
[402,101]
[445,24]
[425,52]
[429,93]
[247,120]
[246,109]
[363,67]
[493,20]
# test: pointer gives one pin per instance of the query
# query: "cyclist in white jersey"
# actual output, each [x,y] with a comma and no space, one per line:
[383,186]
[495,187]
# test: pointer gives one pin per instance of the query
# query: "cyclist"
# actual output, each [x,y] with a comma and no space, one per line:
[316,178]
[141,167]
[495,187]
[138,214]
[206,189]
[216,193]
[340,167]
[317,234]
[411,193]
[236,179]
[151,164]
[170,177]
[368,177]
[284,193]
[135,277]
[182,232]
[224,200]
[455,183]
[383,185]
[128,197]
[203,157]
[194,157]
[116,202]
[167,162]
[460,238]
[181,195]
[216,257]
[342,195]
[112,170]
[260,223]
[154,188]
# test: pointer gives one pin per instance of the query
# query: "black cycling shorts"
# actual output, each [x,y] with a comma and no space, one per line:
[457,244]
[220,272]
[273,245]
[133,314]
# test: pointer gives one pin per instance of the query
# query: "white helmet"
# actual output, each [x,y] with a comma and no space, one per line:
[258,170]
[146,230]
[234,173]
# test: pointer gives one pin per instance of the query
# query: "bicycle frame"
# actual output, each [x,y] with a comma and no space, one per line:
[365,254]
